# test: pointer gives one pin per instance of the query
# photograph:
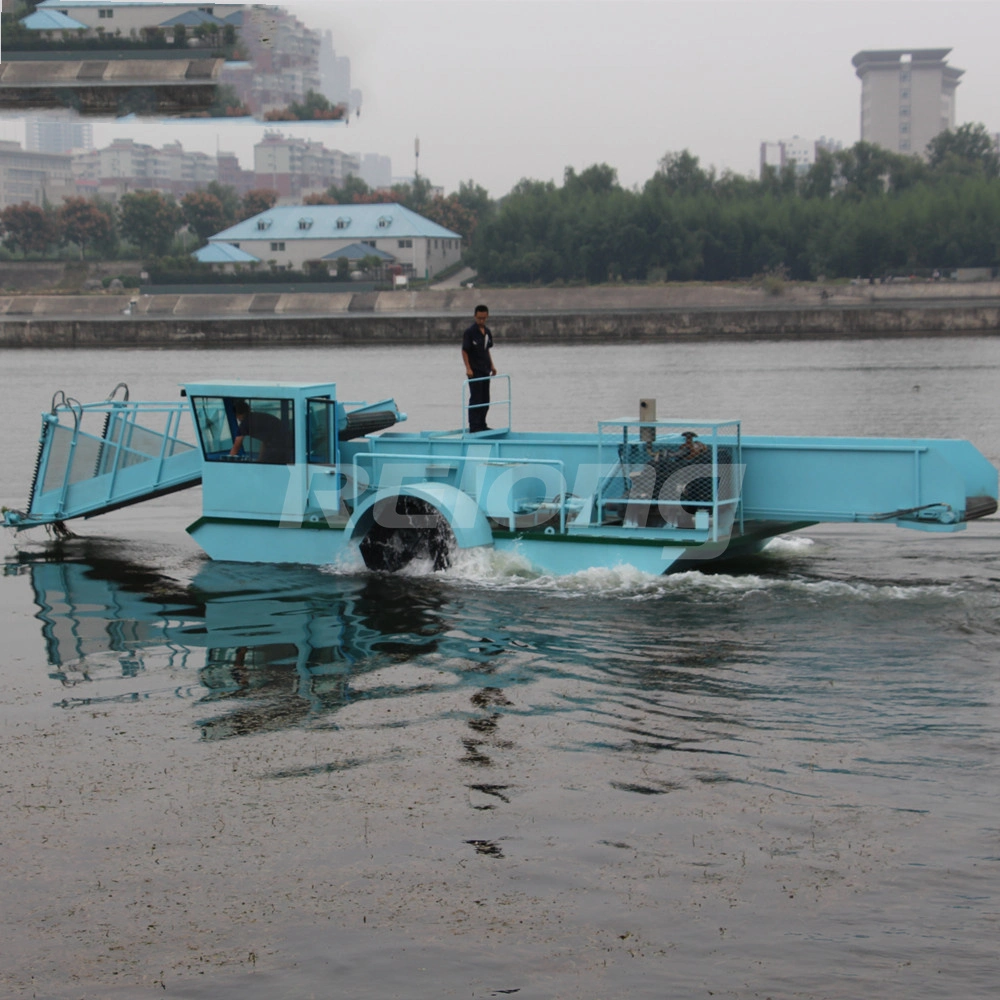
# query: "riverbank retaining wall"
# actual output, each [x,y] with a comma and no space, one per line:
[518,315]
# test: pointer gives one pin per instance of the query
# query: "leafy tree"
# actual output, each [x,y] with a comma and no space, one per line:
[818,179]
[476,199]
[204,213]
[415,196]
[966,150]
[452,214]
[349,191]
[778,182]
[27,227]
[864,168]
[681,174]
[598,179]
[322,198]
[229,198]
[150,221]
[87,223]
[257,201]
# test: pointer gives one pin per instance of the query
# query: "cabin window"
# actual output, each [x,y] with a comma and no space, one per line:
[305,223]
[263,223]
[343,223]
[384,221]
[263,428]
[321,431]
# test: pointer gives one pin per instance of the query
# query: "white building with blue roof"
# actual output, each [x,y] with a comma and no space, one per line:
[290,235]
[130,17]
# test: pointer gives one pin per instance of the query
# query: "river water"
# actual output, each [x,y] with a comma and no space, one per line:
[780,780]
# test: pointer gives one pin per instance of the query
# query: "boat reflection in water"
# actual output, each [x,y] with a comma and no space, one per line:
[280,645]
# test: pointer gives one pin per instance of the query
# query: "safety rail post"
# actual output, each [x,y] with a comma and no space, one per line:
[508,402]
[77,416]
[117,423]
[715,483]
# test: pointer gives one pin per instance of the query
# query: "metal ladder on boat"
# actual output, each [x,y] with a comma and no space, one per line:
[97,457]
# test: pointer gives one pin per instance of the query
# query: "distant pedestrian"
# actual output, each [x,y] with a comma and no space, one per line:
[477,342]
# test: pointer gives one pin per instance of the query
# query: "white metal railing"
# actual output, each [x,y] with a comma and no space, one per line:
[468,406]
[712,441]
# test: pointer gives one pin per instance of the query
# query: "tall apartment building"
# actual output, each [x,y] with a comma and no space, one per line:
[127,165]
[376,170]
[34,177]
[61,132]
[232,174]
[282,63]
[907,97]
[335,75]
[294,167]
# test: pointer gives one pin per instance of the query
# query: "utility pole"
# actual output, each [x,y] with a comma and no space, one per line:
[416,158]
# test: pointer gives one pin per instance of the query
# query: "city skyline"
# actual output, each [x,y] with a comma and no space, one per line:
[500,90]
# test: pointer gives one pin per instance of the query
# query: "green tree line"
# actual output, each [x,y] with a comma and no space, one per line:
[148,221]
[859,211]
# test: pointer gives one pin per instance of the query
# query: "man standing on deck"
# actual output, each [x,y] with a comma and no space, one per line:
[477,342]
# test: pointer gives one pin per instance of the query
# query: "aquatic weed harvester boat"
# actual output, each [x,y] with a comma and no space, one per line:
[290,473]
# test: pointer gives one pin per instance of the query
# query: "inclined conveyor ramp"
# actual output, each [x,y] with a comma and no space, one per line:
[97,457]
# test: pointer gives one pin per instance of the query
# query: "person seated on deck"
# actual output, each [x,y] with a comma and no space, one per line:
[691,447]
[276,442]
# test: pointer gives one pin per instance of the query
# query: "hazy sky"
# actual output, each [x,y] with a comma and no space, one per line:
[498,90]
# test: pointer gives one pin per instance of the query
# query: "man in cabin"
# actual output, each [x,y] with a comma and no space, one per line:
[477,342]
[276,442]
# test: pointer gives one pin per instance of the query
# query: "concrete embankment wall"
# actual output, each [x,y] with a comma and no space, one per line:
[650,314]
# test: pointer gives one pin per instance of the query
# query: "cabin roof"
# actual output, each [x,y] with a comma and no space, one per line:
[260,390]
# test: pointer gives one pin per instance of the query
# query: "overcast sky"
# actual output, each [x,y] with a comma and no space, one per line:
[498,90]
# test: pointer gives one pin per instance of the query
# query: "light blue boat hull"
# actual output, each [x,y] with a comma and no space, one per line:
[301,478]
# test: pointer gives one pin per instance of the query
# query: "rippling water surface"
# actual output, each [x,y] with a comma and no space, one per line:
[778,779]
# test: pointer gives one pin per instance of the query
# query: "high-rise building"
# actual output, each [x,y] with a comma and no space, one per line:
[797,152]
[335,72]
[376,170]
[282,61]
[61,132]
[33,177]
[127,165]
[295,167]
[907,97]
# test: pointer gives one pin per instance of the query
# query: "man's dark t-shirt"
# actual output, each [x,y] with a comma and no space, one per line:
[477,344]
